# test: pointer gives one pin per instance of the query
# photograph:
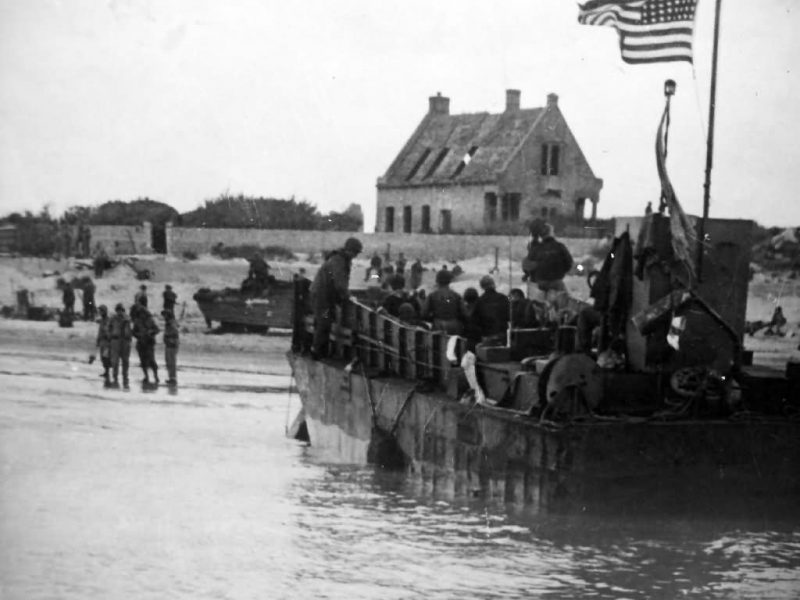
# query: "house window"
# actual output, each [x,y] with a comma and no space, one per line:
[464,162]
[509,207]
[437,161]
[426,219]
[580,206]
[389,218]
[550,159]
[418,164]
[544,211]
[406,219]
[446,217]
[490,206]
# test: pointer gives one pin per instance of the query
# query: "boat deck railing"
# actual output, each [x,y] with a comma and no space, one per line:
[383,342]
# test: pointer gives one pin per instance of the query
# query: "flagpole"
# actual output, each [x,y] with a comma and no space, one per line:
[709,144]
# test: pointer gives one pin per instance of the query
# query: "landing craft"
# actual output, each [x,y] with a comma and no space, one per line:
[663,410]
[649,421]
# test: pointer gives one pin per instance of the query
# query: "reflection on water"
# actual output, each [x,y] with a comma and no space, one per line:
[110,494]
[404,542]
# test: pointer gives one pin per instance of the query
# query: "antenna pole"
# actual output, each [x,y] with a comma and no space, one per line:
[709,145]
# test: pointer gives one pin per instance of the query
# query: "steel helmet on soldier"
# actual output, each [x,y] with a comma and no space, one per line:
[353,246]
[487,282]
[444,277]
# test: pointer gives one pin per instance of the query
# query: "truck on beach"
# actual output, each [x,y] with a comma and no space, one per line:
[655,405]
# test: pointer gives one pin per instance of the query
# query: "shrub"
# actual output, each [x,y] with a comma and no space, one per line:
[189,255]
[247,251]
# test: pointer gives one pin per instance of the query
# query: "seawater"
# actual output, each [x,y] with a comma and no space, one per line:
[198,494]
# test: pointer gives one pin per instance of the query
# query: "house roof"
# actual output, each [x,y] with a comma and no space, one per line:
[483,142]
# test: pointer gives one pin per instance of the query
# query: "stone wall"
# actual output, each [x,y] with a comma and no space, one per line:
[416,245]
[123,239]
[465,204]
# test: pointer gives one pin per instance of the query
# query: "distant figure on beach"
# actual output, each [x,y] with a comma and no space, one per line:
[171,337]
[400,265]
[68,299]
[145,331]
[415,278]
[100,261]
[170,298]
[120,334]
[331,288]
[103,342]
[777,325]
[375,264]
[141,296]
[88,299]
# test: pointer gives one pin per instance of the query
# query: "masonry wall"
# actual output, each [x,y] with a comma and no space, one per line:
[551,196]
[415,245]
[465,204]
[123,239]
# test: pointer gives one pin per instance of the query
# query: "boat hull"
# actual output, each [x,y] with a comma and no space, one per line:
[456,450]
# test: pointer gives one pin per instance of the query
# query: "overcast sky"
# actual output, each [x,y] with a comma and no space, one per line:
[183,100]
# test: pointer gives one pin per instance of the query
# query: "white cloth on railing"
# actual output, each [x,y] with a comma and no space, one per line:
[468,364]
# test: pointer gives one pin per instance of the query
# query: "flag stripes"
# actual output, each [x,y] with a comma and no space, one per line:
[650,30]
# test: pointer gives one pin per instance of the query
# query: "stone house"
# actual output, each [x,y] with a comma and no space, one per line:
[482,172]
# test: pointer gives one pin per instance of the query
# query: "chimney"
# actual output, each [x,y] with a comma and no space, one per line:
[512,100]
[552,100]
[439,105]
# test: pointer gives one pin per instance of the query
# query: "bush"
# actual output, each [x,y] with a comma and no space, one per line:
[247,251]
[189,255]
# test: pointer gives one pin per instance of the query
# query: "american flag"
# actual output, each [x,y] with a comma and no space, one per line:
[649,30]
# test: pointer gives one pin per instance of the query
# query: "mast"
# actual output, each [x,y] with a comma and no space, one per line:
[709,144]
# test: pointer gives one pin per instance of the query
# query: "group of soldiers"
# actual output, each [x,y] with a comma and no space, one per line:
[87,288]
[481,317]
[384,270]
[115,335]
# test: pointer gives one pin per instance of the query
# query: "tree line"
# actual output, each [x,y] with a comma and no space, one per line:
[41,234]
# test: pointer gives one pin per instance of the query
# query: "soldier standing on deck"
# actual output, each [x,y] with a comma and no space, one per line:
[547,263]
[329,290]
[302,293]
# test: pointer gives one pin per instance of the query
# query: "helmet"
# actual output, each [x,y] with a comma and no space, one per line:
[444,277]
[119,307]
[487,282]
[537,227]
[353,246]
[103,309]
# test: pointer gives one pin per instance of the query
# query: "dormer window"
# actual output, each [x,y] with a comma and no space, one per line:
[418,164]
[550,159]
[439,158]
[464,162]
